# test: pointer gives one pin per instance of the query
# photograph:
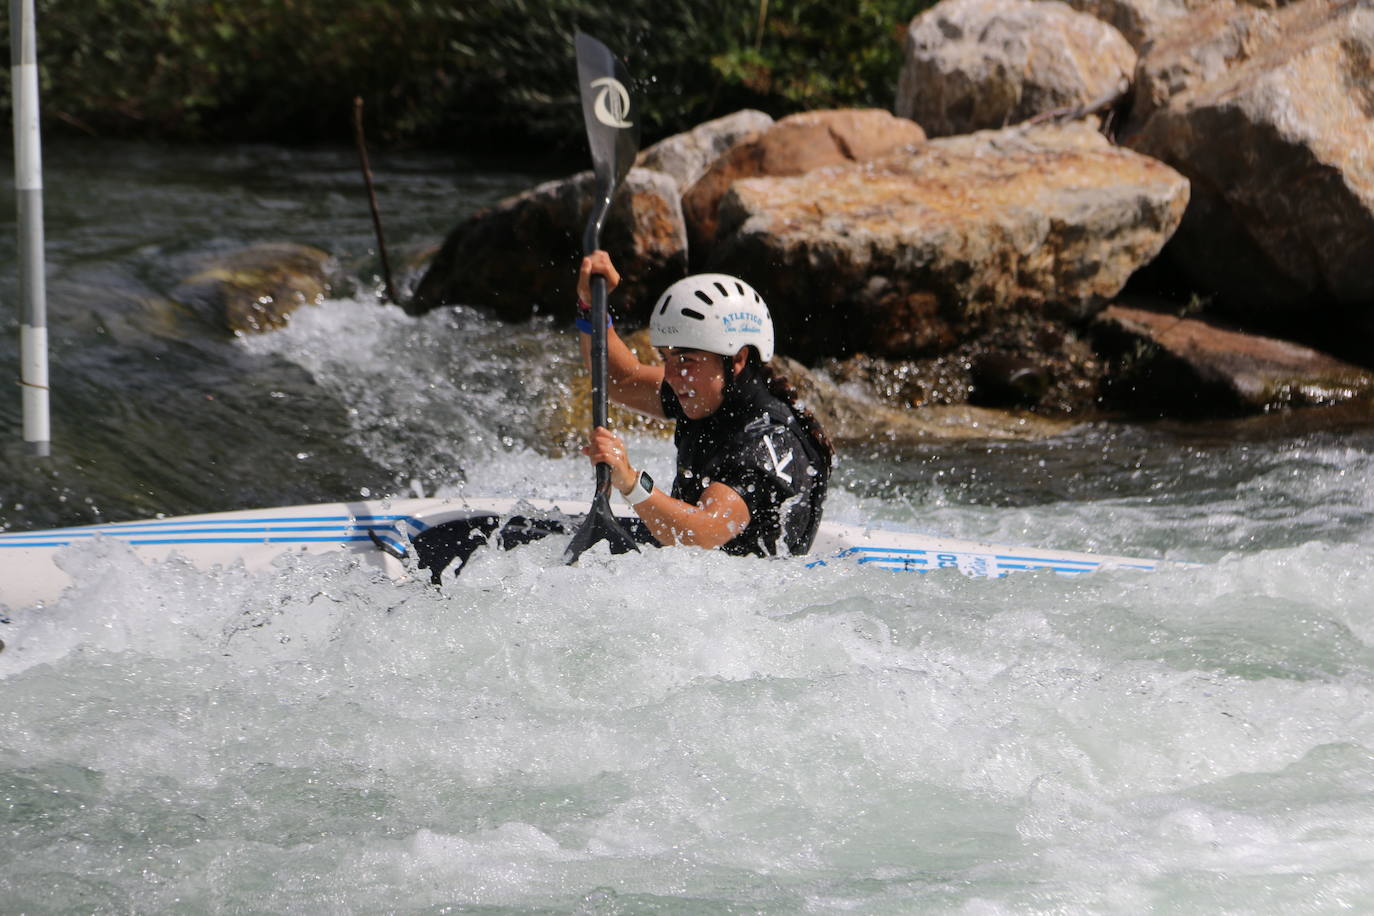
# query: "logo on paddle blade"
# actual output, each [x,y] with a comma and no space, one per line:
[612,102]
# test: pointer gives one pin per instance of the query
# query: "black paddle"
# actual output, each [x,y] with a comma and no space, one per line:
[613,132]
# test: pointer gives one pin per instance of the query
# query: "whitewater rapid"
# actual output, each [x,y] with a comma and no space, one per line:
[684,732]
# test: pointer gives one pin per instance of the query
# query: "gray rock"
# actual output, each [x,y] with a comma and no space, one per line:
[852,418]
[1271,117]
[1180,366]
[256,288]
[912,254]
[1196,49]
[521,255]
[977,64]
[795,145]
[687,156]
[1139,21]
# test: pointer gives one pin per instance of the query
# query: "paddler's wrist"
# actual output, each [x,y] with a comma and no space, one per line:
[583,321]
[640,489]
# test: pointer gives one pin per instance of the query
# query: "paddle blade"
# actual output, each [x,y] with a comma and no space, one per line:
[612,122]
[599,525]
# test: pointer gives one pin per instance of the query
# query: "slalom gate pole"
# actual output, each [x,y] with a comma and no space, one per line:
[28,193]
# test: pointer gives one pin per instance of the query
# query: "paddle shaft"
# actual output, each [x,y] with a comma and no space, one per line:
[600,411]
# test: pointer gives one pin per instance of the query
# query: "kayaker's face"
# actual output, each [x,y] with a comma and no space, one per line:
[697,378]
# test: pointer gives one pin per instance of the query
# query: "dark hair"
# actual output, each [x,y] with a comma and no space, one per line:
[781,388]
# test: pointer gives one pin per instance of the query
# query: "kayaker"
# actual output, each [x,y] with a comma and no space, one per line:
[753,464]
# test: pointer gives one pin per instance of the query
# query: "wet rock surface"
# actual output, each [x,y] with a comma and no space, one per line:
[1176,365]
[255,289]
[520,256]
[850,401]
[1022,364]
[852,415]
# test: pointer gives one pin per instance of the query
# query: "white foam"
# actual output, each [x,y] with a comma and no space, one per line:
[681,729]
[681,723]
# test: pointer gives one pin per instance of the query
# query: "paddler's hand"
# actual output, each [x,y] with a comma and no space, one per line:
[598,262]
[605,447]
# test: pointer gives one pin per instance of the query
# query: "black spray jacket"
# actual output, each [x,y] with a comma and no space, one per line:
[755,445]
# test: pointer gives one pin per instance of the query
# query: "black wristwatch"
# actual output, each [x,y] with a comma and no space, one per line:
[642,490]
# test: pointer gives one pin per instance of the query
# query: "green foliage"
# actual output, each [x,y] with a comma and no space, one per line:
[498,72]
[813,54]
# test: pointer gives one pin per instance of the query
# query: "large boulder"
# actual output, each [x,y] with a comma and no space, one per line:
[793,146]
[687,156]
[1277,138]
[1198,49]
[255,289]
[911,254]
[1140,22]
[1178,365]
[521,255]
[977,64]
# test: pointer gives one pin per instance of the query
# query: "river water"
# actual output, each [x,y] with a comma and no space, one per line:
[675,732]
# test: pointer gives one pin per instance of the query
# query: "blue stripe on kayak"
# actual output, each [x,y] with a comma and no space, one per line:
[186,535]
[216,530]
[267,519]
[174,529]
[1004,559]
[897,552]
[263,540]
[383,534]
[271,520]
[991,572]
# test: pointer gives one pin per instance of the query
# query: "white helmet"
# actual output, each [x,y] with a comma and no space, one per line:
[712,312]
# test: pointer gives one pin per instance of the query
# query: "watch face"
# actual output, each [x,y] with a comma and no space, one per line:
[646,482]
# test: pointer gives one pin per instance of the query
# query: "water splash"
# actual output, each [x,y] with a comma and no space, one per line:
[688,731]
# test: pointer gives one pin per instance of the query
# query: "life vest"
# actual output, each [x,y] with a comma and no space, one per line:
[755,444]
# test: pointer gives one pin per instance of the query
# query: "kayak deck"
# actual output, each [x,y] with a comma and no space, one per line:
[386,534]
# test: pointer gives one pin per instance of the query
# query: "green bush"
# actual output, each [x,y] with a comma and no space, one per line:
[499,72]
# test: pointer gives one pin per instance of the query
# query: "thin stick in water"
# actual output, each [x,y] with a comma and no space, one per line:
[372,196]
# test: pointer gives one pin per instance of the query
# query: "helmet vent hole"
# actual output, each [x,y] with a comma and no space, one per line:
[740,286]
[693,313]
[663,310]
[720,286]
[701,294]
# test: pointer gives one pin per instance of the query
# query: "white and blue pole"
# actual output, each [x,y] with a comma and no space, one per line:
[28,192]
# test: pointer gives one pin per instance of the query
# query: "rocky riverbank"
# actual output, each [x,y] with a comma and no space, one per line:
[1128,206]
[990,243]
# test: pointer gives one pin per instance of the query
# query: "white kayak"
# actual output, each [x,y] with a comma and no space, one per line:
[392,536]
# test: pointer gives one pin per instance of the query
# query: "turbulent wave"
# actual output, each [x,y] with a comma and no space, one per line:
[681,731]
[672,732]
[684,732]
